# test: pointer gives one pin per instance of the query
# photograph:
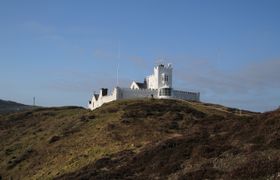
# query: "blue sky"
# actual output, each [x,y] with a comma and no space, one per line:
[61,51]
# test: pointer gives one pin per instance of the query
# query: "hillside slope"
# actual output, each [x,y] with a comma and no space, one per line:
[10,106]
[140,139]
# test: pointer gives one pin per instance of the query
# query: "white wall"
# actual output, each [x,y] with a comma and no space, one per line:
[122,93]
[192,96]
[126,93]
[151,82]
[95,103]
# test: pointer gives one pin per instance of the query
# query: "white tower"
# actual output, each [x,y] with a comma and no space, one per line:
[164,80]
[162,77]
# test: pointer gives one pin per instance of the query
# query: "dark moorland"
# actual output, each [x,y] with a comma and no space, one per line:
[10,106]
[140,139]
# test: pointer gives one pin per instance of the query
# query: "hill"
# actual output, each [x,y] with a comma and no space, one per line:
[140,139]
[10,106]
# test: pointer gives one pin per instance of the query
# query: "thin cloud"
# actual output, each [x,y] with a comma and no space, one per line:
[258,75]
[248,86]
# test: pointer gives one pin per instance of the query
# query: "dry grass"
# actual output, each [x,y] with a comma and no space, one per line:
[139,138]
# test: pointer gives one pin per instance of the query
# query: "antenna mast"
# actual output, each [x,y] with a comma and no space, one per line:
[118,74]
[118,66]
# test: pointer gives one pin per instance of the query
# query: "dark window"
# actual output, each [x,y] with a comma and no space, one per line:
[166,78]
[165,92]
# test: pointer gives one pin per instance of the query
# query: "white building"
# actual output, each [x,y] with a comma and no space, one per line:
[157,85]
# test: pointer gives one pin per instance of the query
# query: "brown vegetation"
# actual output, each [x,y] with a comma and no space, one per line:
[141,139]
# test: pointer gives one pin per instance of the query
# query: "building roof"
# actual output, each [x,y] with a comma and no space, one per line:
[141,85]
[96,96]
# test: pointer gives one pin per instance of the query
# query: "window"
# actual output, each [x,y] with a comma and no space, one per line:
[164,78]
[165,92]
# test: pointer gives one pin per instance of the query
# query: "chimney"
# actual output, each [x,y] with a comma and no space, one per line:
[104,91]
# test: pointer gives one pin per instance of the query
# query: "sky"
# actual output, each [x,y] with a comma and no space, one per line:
[62,51]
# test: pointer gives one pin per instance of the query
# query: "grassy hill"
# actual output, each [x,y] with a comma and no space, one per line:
[10,106]
[140,139]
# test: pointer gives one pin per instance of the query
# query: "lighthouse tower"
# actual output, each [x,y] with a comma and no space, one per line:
[164,81]
[161,81]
